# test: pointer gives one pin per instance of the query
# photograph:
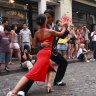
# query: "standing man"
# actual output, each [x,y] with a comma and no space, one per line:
[56,57]
[25,37]
[4,23]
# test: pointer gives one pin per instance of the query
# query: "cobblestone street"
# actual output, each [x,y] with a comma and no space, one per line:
[80,78]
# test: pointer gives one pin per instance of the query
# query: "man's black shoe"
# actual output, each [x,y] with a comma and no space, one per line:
[60,84]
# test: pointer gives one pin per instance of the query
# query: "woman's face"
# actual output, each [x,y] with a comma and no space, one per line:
[49,18]
[15,27]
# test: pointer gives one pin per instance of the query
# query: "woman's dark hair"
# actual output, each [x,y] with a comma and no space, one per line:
[51,12]
[40,20]
[27,48]
[13,26]
[57,21]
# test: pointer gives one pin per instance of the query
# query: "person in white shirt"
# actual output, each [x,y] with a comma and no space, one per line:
[82,53]
[25,37]
[4,23]
[93,36]
[85,34]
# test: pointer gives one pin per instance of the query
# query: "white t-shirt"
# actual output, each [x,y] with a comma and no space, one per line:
[1,28]
[25,34]
[80,51]
[94,37]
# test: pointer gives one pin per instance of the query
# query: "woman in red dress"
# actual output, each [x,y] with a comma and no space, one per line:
[40,68]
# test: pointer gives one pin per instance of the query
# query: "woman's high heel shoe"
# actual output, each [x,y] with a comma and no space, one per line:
[49,89]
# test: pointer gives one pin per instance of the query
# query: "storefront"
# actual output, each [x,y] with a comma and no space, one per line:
[16,13]
[22,11]
[19,12]
[83,15]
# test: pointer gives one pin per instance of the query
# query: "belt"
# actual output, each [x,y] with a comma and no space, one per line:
[25,42]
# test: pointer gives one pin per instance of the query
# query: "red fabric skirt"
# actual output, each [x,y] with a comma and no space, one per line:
[40,68]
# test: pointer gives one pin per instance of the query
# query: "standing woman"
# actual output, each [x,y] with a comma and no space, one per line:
[62,44]
[78,34]
[14,44]
[72,41]
[40,68]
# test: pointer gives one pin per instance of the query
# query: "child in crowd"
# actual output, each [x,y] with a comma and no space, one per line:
[82,53]
[26,58]
[5,41]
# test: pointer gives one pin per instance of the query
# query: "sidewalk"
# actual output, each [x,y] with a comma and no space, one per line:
[16,68]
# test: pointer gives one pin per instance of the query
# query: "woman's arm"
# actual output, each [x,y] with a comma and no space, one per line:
[13,35]
[57,34]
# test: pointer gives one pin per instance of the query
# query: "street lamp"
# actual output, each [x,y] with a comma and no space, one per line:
[11,1]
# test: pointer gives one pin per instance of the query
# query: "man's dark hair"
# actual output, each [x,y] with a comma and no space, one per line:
[49,11]
[4,21]
[27,48]
[40,20]
[23,23]
[7,28]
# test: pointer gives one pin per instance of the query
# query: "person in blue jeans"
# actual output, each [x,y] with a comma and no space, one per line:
[5,41]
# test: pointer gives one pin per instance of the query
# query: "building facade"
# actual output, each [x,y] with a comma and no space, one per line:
[82,12]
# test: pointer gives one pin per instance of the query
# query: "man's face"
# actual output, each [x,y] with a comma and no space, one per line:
[24,26]
[6,23]
[49,18]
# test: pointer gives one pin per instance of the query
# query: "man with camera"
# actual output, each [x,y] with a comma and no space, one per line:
[26,58]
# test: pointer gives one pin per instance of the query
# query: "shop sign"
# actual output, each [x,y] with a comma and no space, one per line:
[16,13]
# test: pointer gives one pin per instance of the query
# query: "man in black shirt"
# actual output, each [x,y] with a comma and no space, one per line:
[56,57]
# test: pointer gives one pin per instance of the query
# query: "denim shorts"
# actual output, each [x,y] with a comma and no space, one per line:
[4,57]
[62,47]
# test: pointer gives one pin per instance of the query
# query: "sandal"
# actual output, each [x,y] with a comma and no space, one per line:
[10,94]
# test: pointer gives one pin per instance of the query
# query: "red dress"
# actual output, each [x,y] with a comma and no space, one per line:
[40,68]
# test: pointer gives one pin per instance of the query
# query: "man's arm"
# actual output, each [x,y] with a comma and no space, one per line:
[24,56]
[20,38]
[0,36]
[30,38]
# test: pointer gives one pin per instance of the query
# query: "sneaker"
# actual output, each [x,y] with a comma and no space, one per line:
[94,60]
[60,84]
[87,61]
[91,59]
[21,93]
[7,69]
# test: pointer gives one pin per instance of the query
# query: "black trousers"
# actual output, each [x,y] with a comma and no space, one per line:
[62,65]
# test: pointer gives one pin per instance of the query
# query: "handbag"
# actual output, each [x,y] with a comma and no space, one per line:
[82,40]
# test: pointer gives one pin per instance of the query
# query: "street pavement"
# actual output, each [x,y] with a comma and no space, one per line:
[80,78]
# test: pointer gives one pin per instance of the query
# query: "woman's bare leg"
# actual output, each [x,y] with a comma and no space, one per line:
[49,80]
[20,84]
[19,54]
[11,56]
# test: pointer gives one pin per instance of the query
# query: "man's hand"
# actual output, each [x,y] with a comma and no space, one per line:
[46,44]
